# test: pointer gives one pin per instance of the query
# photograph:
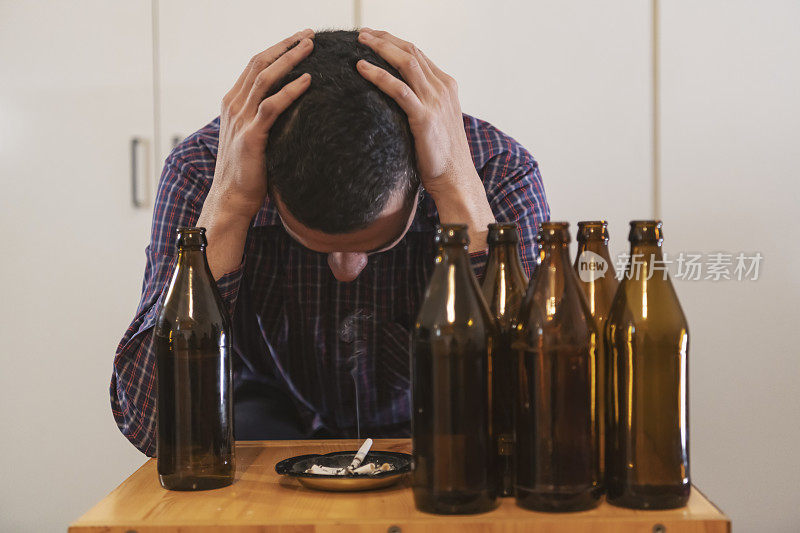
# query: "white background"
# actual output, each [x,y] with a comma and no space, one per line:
[572,81]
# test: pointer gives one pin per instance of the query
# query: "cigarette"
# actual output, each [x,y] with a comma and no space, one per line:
[372,469]
[362,452]
[325,470]
[368,468]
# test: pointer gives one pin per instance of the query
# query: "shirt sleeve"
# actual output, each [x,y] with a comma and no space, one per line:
[513,185]
[478,262]
[523,201]
[518,197]
[181,193]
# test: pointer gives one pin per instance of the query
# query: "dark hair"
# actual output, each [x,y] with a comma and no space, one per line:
[343,148]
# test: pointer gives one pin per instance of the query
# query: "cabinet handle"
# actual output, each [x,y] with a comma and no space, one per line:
[137,202]
[176,140]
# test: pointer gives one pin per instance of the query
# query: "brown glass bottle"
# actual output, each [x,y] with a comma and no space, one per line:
[192,344]
[450,386]
[595,268]
[504,288]
[647,341]
[557,441]
[599,282]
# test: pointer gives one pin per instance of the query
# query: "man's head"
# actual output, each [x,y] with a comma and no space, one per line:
[340,160]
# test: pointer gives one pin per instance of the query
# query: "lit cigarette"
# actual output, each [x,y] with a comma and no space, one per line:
[362,452]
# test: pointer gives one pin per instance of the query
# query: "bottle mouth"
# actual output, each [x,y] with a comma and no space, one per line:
[593,230]
[554,232]
[646,231]
[191,237]
[503,233]
[451,234]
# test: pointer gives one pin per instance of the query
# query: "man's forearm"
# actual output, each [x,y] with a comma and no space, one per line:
[226,231]
[466,204]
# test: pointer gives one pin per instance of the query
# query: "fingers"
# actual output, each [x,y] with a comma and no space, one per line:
[265,79]
[447,79]
[400,43]
[394,88]
[264,59]
[406,63]
[410,48]
[269,109]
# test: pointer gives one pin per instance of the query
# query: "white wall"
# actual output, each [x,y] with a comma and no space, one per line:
[730,152]
[570,80]
[205,45]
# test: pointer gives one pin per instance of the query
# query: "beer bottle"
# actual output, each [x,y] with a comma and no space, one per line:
[504,288]
[450,386]
[595,269]
[647,341]
[557,441]
[192,346]
[599,283]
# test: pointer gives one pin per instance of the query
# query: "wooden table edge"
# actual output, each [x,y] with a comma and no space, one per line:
[712,522]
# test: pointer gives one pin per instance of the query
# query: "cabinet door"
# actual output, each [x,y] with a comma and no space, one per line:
[75,89]
[730,123]
[204,46]
[568,80]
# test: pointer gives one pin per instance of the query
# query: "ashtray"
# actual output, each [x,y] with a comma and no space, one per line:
[296,467]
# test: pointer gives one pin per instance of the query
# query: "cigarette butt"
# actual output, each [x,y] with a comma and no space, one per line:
[368,468]
[325,470]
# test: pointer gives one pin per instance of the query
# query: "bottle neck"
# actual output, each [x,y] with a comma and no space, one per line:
[506,252]
[451,253]
[647,250]
[192,256]
[555,251]
[646,263]
[598,246]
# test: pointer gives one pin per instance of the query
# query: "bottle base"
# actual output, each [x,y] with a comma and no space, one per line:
[505,476]
[178,482]
[506,492]
[460,502]
[558,501]
[649,497]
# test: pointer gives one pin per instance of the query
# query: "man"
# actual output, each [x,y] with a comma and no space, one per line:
[320,186]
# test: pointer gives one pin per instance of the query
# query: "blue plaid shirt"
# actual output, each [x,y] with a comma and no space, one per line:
[340,351]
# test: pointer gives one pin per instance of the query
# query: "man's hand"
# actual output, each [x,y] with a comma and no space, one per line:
[246,117]
[240,185]
[429,98]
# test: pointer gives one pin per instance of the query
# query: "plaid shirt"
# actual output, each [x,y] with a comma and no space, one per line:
[340,350]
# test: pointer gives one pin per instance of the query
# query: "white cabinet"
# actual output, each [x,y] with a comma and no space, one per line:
[75,88]
[730,151]
[204,46]
[569,80]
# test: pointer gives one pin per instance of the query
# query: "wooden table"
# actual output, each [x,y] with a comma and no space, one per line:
[260,500]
